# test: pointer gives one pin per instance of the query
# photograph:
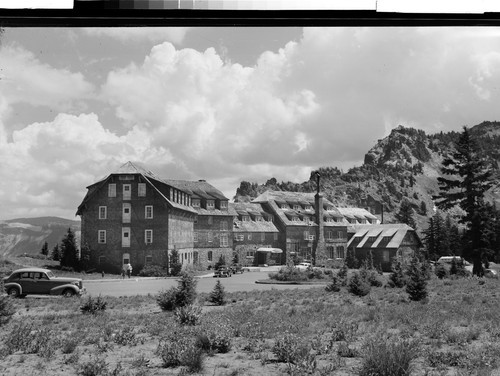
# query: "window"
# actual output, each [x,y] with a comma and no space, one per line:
[284,206]
[195,202]
[148,211]
[245,218]
[210,256]
[210,220]
[102,212]
[210,204]
[127,191]
[249,236]
[386,256]
[210,237]
[275,236]
[262,236]
[126,213]
[223,204]
[340,251]
[149,260]
[196,219]
[141,190]
[295,219]
[112,190]
[239,237]
[250,254]
[223,240]
[176,196]
[296,207]
[340,235]
[126,237]
[329,236]
[270,218]
[306,235]
[148,236]
[223,225]
[195,237]
[258,218]
[309,207]
[330,251]
[101,237]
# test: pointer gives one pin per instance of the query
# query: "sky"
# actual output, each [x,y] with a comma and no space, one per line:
[223,104]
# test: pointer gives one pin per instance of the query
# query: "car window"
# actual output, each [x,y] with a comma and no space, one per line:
[26,275]
[50,275]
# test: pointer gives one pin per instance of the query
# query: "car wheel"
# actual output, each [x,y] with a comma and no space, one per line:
[68,293]
[13,292]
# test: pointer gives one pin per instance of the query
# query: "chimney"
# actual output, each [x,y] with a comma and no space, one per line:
[319,251]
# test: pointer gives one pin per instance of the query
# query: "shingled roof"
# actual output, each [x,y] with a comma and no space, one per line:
[198,189]
[386,235]
[245,208]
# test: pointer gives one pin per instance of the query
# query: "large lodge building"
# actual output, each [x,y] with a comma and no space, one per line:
[133,216]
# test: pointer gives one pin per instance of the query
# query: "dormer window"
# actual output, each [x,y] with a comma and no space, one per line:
[284,206]
[270,218]
[258,218]
[309,207]
[195,203]
[296,207]
[328,219]
[245,218]
[295,219]
[210,204]
[223,205]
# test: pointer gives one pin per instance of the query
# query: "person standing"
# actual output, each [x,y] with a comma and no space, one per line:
[129,270]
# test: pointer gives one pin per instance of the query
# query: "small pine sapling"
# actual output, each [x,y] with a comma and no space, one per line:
[358,286]
[397,277]
[218,294]
[416,284]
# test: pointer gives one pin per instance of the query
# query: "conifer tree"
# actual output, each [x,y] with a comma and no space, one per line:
[218,294]
[45,249]
[416,283]
[175,265]
[56,253]
[351,261]
[69,250]
[469,180]
[406,214]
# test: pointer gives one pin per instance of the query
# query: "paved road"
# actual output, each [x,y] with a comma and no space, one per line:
[144,286]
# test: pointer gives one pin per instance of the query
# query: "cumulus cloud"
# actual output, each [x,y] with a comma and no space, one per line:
[25,79]
[139,34]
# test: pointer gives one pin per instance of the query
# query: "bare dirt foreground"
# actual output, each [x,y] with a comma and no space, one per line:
[272,332]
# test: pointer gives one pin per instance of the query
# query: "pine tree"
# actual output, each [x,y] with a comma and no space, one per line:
[45,249]
[470,180]
[56,253]
[406,214]
[69,250]
[416,284]
[175,265]
[85,254]
[218,294]
[351,261]
[397,277]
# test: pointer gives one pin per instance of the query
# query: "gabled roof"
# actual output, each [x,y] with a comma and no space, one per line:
[245,208]
[132,168]
[386,235]
[357,213]
[198,189]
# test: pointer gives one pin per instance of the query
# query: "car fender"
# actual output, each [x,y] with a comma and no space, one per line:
[58,290]
[13,284]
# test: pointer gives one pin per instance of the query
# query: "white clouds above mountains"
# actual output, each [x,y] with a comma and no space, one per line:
[321,100]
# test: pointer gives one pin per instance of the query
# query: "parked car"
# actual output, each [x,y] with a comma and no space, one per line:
[223,272]
[491,273]
[304,265]
[40,281]
[237,268]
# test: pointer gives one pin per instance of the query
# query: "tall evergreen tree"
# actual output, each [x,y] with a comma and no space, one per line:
[69,250]
[175,264]
[45,249]
[56,253]
[469,180]
[406,214]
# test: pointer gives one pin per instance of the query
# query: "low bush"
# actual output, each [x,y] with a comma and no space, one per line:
[95,366]
[334,285]
[181,352]
[93,306]
[290,348]
[153,271]
[188,315]
[7,309]
[166,299]
[441,271]
[358,286]
[182,295]
[290,274]
[388,357]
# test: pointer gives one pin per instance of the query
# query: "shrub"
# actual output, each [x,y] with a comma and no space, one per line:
[342,274]
[218,294]
[153,271]
[334,285]
[397,277]
[7,309]
[125,336]
[416,285]
[358,286]
[215,335]
[182,295]
[175,265]
[181,352]
[290,274]
[93,306]
[373,278]
[188,315]
[94,367]
[290,348]
[388,357]
[441,271]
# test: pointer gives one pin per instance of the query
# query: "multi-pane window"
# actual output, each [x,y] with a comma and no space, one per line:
[239,237]
[296,207]
[340,251]
[262,236]
[329,235]
[101,237]
[330,251]
[340,235]
[245,218]
[210,256]
[149,260]
[126,237]
[111,190]
[141,190]
[275,236]
[223,240]
[127,191]
[306,235]
[210,204]
[223,225]
[102,259]
[149,211]
[148,236]
[223,204]
[195,236]
[127,213]
[102,212]
[210,220]
[195,203]
[210,237]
